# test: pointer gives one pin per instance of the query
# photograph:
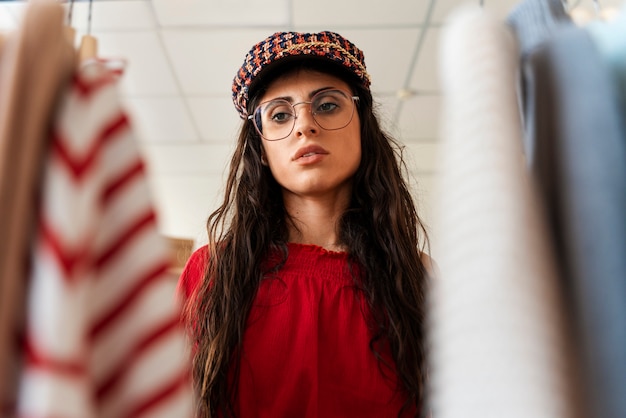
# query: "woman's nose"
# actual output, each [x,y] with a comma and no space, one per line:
[305,122]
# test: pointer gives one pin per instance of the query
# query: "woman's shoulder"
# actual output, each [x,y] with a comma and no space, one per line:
[193,272]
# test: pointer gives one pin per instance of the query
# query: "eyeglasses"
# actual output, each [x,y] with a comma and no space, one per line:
[331,109]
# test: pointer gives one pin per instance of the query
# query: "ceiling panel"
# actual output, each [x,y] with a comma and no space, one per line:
[216,118]
[198,159]
[421,157]
[358,13]
[184,202]
[162,119]
[444,7]
[425,75]
[387,54]
[419,118]
[205,61]
[501,8]
[124,15]
[386,105]
[148,72]
[242,13]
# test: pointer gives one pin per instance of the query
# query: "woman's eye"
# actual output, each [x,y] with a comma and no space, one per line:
[278,112]
[326,107]
[281,116]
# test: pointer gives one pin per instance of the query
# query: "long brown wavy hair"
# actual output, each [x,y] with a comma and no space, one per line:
[380,228]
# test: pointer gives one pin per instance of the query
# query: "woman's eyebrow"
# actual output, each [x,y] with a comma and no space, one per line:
[314,92]
[287,98]
[290,99]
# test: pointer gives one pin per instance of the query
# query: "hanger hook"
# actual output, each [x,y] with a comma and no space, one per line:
[89,17]
[69,13]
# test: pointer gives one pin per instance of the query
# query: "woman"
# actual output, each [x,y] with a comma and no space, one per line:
[309,299]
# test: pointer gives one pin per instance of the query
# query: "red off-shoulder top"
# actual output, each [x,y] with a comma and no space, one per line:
[306,348]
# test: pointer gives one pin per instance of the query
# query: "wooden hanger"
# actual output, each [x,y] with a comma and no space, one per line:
[88,48]
[70,32]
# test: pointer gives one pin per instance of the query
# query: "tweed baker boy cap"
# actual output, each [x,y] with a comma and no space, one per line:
[328,45]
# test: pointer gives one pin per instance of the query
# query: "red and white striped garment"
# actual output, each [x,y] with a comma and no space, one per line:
[103,334]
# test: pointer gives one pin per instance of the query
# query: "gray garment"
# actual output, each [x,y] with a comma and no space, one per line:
[534,22]
[580,164]
[610,38]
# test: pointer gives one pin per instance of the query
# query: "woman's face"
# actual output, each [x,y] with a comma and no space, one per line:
[312,161]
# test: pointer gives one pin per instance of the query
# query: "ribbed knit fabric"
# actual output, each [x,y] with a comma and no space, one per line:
[498,346]
[103,334]
[306,346]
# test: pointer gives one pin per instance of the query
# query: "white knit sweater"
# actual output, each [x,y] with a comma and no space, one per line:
[498,345]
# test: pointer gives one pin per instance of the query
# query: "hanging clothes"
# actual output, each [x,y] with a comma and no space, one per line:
[35,62]
[579,162]
[498,341]
[534,22]
[102,335]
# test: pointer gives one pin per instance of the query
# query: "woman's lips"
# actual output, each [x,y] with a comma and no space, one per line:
[310,153]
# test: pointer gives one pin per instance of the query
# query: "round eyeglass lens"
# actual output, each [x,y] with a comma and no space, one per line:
[331,109]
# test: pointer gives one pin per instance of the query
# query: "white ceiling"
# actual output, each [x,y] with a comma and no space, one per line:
[182,55]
